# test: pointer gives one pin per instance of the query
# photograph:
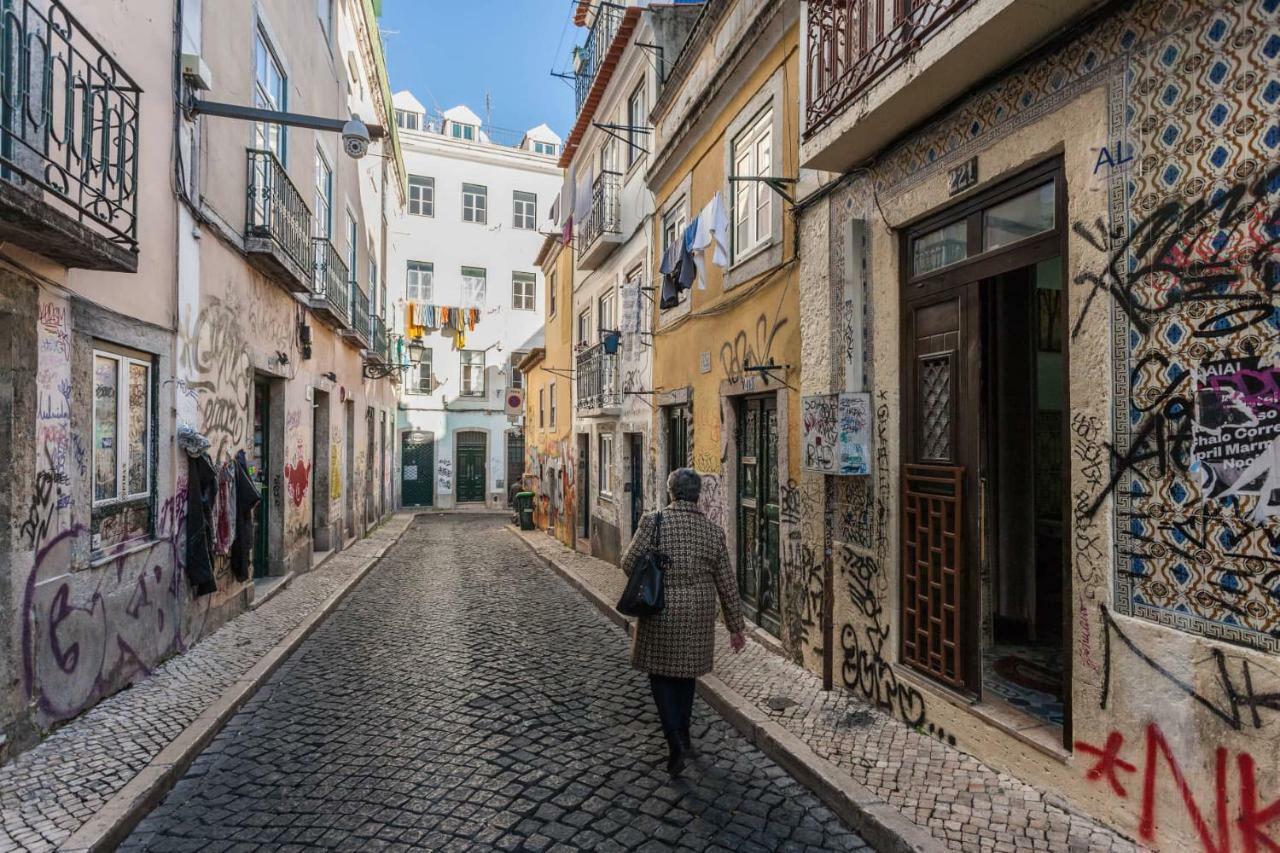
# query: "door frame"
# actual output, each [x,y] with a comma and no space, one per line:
[457,468]
[971,272]
[431,475]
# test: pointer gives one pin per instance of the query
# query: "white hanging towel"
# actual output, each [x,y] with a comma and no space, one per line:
[713,229]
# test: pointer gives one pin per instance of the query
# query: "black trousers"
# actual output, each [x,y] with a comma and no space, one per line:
[674,698]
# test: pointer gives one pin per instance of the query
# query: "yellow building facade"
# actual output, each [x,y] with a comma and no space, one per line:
[727,350]
[550,470]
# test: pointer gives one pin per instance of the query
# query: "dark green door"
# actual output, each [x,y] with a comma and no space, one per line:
[258,471]
[417,469]
[469,469]
[758,563]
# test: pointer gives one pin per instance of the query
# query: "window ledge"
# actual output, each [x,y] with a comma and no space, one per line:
[110,555]
[754,263]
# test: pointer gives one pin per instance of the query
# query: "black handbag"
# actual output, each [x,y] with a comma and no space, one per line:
[645,594]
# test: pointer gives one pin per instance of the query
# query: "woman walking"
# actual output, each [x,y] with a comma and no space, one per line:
[678,645]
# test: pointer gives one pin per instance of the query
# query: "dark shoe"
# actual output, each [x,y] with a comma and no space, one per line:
[677,759]
[687,741]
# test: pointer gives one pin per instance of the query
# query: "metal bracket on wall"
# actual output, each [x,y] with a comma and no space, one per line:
[778,185]
[766,372]
[563,373]
[614,129]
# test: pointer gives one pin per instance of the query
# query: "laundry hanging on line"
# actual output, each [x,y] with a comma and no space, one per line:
[684,261]
[452,321]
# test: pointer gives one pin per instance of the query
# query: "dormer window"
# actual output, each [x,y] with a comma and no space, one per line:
[406,120]
[548,148]
[464,131]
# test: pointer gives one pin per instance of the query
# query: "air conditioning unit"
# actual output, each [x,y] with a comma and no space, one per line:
[196,72]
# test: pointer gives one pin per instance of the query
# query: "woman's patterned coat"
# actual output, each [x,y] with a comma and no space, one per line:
[680,641]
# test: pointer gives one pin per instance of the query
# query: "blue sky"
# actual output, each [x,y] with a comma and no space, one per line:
[455,51]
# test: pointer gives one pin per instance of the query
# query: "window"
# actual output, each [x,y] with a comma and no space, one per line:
[525,206]
[351,244]
[123,447]
[606,463]
[424,381]
[753,200]
[548,148]
[406,120]
[584,327]
[473,287]
[608,312]
[542,408]
[418,283]
[517,377]
[475,203]
[679,419]
[551,294]
[464,131]
[324,196]
[985,228]
[422,196]
[523,291]
[635,124]
[552,394]
[268,93]
[373,286]
[324,10]
[673,225]
[472,373]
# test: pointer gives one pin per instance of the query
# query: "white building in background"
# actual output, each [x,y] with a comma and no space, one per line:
[465,242]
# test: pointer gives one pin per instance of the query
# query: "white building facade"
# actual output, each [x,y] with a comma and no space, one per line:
[463,284]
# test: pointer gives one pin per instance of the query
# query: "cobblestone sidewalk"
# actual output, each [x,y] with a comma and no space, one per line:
[961,801]
[48,792]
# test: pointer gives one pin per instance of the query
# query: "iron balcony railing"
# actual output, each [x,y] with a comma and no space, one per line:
[276,209]
[69,125]
[588,58]
[603,218]
[851,43]
[330,279]
[378,339]
[599,385]
[360,313]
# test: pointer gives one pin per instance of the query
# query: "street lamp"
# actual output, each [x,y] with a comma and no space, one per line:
[416,349]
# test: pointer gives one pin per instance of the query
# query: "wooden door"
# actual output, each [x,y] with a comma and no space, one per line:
[636,486]
[258,471]
[417,470]
[759,565]
[941,427]
[470,453]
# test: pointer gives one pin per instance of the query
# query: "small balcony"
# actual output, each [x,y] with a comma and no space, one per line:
[589,59]
[330,289]
[601,230]
[69,142]
[277,234]
[599,383]
[379,351]
[360,331]
[875,68]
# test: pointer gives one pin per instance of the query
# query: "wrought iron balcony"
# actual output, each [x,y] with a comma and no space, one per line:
[360,326]
[588,59]
[69,140]
[330,288]
[601,230]
[277,224]
[599,383]
[378,340]
[852,43]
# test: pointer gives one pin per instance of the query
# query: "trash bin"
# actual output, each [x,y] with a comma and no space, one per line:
[524,507]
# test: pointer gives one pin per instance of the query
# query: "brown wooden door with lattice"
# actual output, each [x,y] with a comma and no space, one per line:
[941,413]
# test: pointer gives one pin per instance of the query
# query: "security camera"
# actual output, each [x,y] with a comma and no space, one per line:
[355,138]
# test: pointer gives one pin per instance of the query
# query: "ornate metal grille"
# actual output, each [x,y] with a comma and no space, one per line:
[933,570]
[603,218]
[850,43]
[360,314]
[935,407]
[597,377]
[69,124]
[588,58]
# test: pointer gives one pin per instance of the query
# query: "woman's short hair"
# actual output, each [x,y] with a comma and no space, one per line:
[685,484]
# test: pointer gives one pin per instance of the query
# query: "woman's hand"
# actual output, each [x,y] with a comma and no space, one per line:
[737,642]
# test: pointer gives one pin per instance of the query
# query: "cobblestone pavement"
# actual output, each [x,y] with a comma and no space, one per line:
[465,698]
[47,792]
[962,801]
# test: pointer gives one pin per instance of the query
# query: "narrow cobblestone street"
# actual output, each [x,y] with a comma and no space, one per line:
[465,698]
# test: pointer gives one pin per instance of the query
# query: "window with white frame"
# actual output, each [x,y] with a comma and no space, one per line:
[608,312]
[475,203]
[422,195]
[269,93]
[517,375]
[635,124]
[464,131]
[524,291]
[123,446]
[419,284]
[525,207]
[673,225]
[542,408]
[584,327]
[753,200]
[406,120]
[551,294]
[548,148]
[323,214]
[473,287]
[351,244]
[472,373]
[551,393]
[606,463]
[424,380]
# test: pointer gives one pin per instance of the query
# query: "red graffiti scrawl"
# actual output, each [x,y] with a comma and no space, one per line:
[299,476]
[1250,820]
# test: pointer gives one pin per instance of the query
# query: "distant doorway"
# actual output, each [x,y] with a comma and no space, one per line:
[417,469]
[759,567]
[470,449]
[635,484]
[259,457]
[321,535]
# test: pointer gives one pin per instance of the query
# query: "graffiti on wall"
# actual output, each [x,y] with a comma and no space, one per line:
[215,355]
[444,474]
[48,509]
[297,475]
[746,349]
